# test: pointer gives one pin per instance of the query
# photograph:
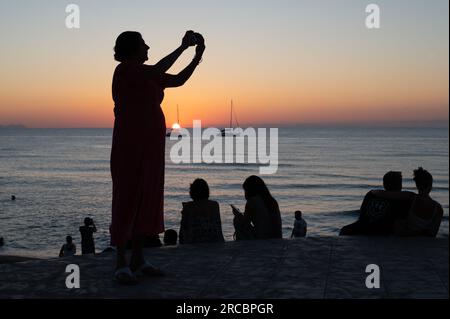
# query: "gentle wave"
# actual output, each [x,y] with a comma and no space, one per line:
[61,176]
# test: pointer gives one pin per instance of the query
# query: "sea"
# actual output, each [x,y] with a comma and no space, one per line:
[61,176]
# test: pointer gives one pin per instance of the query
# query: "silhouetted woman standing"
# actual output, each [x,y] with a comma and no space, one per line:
[138,146]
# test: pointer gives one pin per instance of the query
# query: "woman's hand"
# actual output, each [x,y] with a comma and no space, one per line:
[200,44]
[199,49]
[199,40]
[188,39]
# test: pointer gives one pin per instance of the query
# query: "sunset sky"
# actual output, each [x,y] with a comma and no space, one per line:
[282,62]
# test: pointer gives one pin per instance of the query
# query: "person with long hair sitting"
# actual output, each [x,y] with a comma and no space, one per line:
[425,216]
[261,218]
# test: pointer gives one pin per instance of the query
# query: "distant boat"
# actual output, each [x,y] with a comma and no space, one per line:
[226,132]
[170,130]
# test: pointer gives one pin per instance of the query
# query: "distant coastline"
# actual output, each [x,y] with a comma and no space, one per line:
[13,126]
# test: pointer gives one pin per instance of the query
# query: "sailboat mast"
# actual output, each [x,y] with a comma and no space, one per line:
[231,115]
[178,116]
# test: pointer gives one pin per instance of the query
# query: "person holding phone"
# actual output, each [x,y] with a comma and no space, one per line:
[261,218]
[138,146]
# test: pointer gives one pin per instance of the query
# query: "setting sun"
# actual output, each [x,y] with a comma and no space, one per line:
[176,126]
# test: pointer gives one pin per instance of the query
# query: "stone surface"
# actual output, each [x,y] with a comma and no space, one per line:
[313,267]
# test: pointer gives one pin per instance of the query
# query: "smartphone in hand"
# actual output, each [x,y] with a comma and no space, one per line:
[235,210]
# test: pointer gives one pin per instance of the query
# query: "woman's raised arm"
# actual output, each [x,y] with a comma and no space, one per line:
[165,63]
[170,80]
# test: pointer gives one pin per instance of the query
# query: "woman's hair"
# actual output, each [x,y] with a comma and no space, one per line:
[199,189]
[255,186]
[423,179]
[127,44]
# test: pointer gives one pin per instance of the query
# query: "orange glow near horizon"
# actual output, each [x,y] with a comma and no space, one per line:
[88,103]
[305,68]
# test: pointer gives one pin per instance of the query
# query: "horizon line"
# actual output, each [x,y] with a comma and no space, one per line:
[394,124]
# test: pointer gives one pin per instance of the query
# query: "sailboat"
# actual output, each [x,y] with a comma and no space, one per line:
[226,132]
[173,128]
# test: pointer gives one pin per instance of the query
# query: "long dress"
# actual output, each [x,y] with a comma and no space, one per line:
[137,155]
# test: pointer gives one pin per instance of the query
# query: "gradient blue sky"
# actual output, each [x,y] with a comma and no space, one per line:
[282,62]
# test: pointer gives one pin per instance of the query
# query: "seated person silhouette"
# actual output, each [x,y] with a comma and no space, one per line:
[87,236]
[379,215]
[170,237]
[300,226]
[200,218]
[261,218]
[68,249]
[425,216]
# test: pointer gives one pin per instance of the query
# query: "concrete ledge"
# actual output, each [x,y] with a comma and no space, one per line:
[314,267]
